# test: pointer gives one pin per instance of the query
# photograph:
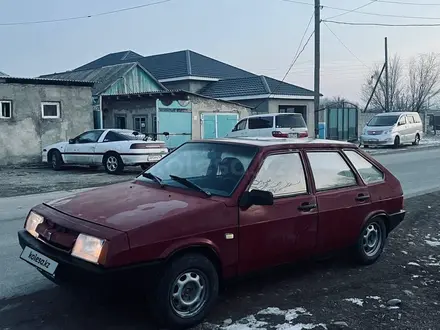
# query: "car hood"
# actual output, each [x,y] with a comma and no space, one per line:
[129,205]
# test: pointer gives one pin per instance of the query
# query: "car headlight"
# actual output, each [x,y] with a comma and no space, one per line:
[32,222]
[387,132]
[88,248]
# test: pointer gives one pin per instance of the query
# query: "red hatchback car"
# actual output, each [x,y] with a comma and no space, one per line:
[215,209]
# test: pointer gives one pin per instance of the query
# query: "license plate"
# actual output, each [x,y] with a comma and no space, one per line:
[39,260]
[293,135]
[154,158]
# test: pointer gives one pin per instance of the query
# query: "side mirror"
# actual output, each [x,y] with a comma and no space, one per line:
[71,141]
[256,197]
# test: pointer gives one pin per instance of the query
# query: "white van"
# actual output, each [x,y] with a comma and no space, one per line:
[282,125]
[392,128]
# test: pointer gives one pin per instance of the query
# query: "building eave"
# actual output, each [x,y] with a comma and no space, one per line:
[267,96]
[188,78]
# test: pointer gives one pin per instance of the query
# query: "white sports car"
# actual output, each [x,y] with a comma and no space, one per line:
[107,147]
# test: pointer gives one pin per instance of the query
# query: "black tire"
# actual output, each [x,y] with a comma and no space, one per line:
[113,163]
[366,146]
[164,308]
[396,142]
[93,167]
[416,140]
[55,159]
[362,253]
[145,166]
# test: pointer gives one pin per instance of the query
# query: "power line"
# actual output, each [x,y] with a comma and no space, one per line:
[408,3]
[353,10]
[382,24]
[85,16]
[345,46]
[299,2]
[298,52]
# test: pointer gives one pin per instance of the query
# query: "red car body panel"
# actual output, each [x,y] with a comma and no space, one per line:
[144,222]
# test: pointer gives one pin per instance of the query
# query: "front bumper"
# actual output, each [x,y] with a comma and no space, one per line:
[74,270]
[395,219]
[376,139]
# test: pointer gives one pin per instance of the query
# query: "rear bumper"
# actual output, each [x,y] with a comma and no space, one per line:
[395,219]
[74,270]
[142,159]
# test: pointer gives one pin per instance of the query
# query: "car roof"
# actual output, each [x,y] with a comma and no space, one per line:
[273,115]
[274,142]
[396,113]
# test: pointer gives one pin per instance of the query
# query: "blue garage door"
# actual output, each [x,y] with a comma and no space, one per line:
[177,123]
[218,125]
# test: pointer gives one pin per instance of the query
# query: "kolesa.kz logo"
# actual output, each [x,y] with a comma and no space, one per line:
[37,259]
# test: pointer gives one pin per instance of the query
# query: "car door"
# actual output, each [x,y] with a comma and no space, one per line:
[82,148]
[402,129]
[343,199]
[239,129]
[412,128]
[286,230]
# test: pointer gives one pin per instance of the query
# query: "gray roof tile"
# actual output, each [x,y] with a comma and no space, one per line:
[176,64]
[257,85]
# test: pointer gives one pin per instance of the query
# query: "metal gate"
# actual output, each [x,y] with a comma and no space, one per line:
[342,122]
[217,125]
[176,120]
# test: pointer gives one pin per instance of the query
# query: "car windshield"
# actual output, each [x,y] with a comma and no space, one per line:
[290,121]
[383,120]
[216,168]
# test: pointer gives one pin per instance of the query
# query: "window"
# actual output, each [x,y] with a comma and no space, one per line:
[388,120]
[6,109]
[330,170]
[368,172]
[50,109]
[140,124]
[410,119]
[290,121]
[216,167]
[89,137]
[417,118]
[282,175]
[241,125]
[300,109]
[121,122]
[402,120]
[261,122]
[114,136]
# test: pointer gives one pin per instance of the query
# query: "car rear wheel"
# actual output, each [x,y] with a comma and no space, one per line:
[416,140]
[396,142]
[371,241]
[186,292]
[113,163]
[366,146]
[56,161]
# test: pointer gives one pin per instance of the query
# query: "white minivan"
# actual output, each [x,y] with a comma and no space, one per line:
[392,128]
[281,125]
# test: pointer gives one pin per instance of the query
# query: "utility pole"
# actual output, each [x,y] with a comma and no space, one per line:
[317,63]
[387,91]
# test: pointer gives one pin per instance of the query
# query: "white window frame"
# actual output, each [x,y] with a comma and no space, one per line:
[10,109]
[50,103]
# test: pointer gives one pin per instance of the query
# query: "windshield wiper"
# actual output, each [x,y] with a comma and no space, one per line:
[190,184]
[151,176]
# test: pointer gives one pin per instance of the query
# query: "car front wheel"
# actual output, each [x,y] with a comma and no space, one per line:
[371,241]
[113,163]
[56,161]
[186,292]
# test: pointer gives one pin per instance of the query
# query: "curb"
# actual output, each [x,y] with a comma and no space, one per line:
[402,150]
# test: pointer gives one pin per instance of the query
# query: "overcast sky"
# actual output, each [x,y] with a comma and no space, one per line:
[257,35]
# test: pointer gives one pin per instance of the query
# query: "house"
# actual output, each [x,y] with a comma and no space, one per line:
[36,112]
[196,73]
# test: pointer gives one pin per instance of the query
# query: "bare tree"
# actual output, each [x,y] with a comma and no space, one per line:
[397,96]
[423,81]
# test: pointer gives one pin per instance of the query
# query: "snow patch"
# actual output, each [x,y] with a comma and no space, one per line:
[246,323]
[300,326]
[413,264]
[432,243]
[356,301]
[374,298]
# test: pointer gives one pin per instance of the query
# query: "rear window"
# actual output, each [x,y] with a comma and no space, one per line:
[260,122]
[368,172]
[290,121]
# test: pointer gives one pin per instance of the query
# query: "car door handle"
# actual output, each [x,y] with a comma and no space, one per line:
[362,197]
[306,207]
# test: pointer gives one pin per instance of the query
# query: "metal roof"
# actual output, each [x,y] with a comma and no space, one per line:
[173,65]
[257,85]
[46,81]
[2,74]
[104,76]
